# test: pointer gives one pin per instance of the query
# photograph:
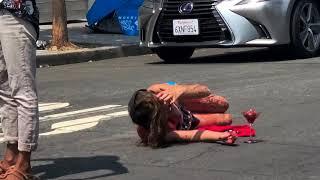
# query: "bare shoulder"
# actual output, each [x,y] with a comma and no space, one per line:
[156,88]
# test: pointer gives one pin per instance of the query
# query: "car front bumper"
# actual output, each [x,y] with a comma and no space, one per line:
[263,23]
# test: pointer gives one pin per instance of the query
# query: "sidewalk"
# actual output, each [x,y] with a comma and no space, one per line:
[94,46]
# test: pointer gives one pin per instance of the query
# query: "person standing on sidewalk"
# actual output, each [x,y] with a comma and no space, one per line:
[19,29]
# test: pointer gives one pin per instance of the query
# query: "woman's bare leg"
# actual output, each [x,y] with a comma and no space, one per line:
[213,119]
[209,104]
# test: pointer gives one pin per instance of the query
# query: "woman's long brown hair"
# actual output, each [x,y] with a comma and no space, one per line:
[148,112]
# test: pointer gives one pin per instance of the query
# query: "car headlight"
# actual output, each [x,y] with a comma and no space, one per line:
[150,3]
[250,1]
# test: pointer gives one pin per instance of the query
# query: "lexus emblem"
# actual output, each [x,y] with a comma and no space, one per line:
[186,8]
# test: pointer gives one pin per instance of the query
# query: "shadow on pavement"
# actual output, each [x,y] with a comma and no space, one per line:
[256,55]
[67,166]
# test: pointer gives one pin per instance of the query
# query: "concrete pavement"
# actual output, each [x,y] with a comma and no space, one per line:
[93,46]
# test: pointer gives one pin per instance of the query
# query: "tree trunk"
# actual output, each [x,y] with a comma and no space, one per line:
[59,24]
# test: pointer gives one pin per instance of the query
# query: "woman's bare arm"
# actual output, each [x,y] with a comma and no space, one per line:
[198,135]
[171,94]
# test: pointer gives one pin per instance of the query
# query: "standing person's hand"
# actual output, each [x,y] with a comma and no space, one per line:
[170,94]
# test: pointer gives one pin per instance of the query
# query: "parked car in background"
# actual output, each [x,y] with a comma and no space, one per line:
[174,28]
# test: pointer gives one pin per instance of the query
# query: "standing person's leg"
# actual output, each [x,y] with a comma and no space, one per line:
[18,46]
[9,117]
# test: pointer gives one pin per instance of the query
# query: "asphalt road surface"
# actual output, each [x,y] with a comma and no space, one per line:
[87,134]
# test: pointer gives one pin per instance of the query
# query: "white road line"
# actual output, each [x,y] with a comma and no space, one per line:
[76,124]
[81,124]
[71,113]
[52,106]
[70,129]
[88,120]
[47,107]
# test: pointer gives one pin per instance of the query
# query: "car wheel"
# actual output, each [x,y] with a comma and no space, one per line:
[305,28]
[174,54]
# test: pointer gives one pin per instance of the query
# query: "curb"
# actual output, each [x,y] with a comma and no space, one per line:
[84,55]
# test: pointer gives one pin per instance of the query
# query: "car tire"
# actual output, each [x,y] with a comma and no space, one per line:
[305,35]
[174,54]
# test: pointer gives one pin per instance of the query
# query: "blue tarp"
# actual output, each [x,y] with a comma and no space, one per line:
[126,11]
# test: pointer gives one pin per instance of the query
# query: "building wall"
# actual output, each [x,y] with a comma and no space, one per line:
[76,9]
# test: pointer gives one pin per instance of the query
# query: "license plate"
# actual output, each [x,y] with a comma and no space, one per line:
[185,27]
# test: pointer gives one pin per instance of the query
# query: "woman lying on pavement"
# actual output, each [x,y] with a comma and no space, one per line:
[162,116]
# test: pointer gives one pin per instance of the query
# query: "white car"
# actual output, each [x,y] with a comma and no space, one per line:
[174,28]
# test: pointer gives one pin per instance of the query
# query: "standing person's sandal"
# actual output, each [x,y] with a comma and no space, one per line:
[14,174]
[3,167]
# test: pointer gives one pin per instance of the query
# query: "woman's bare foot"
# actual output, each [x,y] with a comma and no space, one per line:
[10,157]
[4,166]
[23,162]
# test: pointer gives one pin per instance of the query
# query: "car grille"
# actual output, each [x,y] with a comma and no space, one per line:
[211,25]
